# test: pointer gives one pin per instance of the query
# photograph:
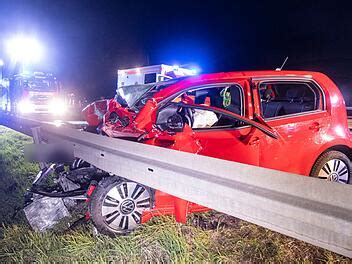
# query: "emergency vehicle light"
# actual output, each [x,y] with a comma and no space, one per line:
[24,49]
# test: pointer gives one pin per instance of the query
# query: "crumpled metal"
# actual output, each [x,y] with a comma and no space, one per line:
[45,212]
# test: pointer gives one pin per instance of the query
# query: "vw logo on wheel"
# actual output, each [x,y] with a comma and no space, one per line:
[333,177]
[127,206]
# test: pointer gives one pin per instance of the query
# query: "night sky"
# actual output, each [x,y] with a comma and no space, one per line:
[87,41]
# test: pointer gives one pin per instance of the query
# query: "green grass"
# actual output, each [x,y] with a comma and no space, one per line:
[15,175]
[208,237]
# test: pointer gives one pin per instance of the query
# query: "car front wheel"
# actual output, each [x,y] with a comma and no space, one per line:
[116,205]
[333,166]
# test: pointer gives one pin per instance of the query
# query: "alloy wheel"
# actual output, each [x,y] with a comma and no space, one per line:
[335,170]
[124,204]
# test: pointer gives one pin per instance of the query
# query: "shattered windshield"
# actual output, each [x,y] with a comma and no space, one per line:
[128,95]
[135,96]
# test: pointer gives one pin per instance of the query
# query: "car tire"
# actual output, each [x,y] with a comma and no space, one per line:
[116,205]
[333,166]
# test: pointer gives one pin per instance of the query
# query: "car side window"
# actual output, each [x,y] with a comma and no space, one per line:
[192,108]
[227,97]
[177,114]
[289,98]
[202,118]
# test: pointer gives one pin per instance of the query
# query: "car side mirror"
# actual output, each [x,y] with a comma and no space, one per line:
[169,119]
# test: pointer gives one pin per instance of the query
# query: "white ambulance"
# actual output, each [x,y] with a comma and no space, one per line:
[151,74]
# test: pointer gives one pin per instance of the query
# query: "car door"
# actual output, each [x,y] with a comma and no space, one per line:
[295,109]
[232,140]
[214,124]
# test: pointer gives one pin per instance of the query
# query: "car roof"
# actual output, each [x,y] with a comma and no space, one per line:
[265,73]
[225,76]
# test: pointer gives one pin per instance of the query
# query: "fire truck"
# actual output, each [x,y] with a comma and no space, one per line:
[31,93]
[151,74]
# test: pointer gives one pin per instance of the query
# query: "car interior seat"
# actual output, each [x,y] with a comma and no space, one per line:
[299,100]
[235,105]
[271,106]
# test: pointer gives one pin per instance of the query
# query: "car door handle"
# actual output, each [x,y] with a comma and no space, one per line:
[315,126]
[254,141]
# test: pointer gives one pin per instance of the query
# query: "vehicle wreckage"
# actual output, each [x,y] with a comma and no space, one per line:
[258,118]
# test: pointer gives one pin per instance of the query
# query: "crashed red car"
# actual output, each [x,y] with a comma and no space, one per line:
[293,121]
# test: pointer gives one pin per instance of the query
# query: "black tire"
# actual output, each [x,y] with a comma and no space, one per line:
[127,202]
[339,169]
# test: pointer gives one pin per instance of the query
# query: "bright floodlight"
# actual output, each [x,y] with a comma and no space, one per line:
[1,63]
[24,49]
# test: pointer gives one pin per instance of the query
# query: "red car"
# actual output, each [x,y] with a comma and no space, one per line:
[293,121]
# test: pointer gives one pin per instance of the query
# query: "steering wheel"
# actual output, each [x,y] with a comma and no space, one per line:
[175,121]
[188,115]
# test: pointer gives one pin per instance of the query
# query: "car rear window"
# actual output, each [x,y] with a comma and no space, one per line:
[289,98]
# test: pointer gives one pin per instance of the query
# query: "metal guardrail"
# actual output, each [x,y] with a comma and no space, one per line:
[308,209]
[25,124]
[305,208]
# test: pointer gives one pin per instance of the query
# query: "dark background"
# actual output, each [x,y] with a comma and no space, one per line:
[87,41]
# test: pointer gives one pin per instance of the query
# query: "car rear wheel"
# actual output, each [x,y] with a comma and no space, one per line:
[333,166]
[116,205]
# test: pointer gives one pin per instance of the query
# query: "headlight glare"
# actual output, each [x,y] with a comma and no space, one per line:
[57,107]
[26,106]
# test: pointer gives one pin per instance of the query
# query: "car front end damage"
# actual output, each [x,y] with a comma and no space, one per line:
[114,204]
[60,191]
